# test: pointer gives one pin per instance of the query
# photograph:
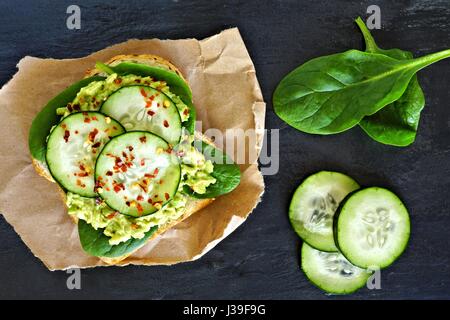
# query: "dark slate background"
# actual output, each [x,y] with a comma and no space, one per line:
[260,259]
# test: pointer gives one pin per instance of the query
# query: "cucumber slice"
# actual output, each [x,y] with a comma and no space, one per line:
[331,272]
[142,108]
[137,173]
[372,228]
[314,204]
[73,147]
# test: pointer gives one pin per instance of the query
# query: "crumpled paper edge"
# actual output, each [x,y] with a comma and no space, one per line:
[258,113]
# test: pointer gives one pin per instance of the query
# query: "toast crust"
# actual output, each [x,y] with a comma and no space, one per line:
[193,205]
[147,59]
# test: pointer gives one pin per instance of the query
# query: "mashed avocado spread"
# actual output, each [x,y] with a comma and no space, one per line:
[195,169]
[91,97]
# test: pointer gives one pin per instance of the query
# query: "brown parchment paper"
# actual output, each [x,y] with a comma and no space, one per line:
[226,94]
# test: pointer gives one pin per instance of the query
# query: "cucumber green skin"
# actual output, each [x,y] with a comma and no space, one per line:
[322,286]
[130,215]
[49,166]
[336,217]
[336,231]
[313,244]
[167,97]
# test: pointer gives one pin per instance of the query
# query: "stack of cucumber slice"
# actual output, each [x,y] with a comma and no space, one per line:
[135,172]
[348,232]
[121,153]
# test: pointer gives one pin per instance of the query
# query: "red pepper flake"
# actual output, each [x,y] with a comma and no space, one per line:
[148,175]
[111,215]
[87,120]
[139,208]
[66,135]
[150,200]
[186,112]
[124,154]
[83,174]
[128,203]
[109,173]
[94,118]
[118,186]
[85,113]
[130,148]
[143,93]
[124,168]
[158,105]
[151,113]
[139,198]
[82,167]
[166,195]
[92,134]
[64,126]
[161,181]
[69,107]
[143,139]
[137,81]
[142,162]
[155,172]
[96,145]
[118,81]
[76,132]
[98,184]
[166,123]
[76,107]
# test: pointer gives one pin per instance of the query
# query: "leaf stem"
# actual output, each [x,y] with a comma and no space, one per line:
[104,68]
[431,58]
[371,45]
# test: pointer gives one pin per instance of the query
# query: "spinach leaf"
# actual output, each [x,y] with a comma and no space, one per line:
[97,244]
[189,124]
[47,118]
[333,93]
[226,173]
[396,124]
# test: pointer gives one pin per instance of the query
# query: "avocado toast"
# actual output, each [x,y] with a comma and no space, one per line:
[121,143]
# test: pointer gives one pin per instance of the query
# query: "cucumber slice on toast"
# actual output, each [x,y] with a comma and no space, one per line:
[314,204]
[142,108]
[331,272]
[137,173]
[372,228]
[73,147]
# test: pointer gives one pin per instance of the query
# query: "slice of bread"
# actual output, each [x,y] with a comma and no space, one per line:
[147,59]
[193,205]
